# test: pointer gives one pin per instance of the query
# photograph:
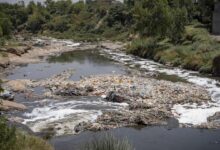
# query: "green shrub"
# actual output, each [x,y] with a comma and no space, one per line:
[2,41]
[7,136]
[193,62]
[28,142]
[108,142]
[11,139]
[143,47]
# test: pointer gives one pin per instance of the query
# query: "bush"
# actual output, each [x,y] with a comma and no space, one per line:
[152,17]
[143,47]
[7,136]
[5,25]
[10,139]
[2,41]
[108,142]
[178,22]
[193,62]
[59,24]
[27,142]
[35,22]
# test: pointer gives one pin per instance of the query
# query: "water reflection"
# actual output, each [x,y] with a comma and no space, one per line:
[84,63]
[150,138]
[82,57]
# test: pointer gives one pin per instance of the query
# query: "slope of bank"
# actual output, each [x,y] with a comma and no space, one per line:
[14,139]
[198,50]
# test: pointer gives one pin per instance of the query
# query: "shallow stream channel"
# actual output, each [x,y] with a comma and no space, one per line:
[65,114]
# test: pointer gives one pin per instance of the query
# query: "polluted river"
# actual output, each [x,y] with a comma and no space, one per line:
[68,97]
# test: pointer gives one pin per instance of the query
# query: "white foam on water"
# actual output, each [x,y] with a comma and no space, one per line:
[187,113]
[68,43]
[194,114]
[64,116]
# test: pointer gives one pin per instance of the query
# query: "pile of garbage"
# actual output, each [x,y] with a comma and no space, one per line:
[123,88]
[149,100]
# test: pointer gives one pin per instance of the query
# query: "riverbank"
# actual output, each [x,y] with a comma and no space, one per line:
[198,50]
[40,47]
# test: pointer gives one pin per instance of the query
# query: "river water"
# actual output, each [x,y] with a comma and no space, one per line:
[64,114]
[149,138]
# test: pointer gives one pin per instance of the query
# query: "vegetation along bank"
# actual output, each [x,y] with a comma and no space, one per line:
[172,32]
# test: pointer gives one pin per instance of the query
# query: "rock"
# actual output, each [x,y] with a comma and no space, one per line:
[215,119]
[14,51]
[19,50]
[69,92]
[141,120]
[16,119]
[3,49]
[17,85]
[112,46]
[213,122]
[27,48]
[8,105]
[89,88]
[139,105]
[4,62]
[115,97]
[82,126]
[216,66]
[6,95]
[40,43]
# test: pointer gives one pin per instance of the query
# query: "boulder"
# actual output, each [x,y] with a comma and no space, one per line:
[19,50]
[115,97]
[9,105]
[3,49]
[17,85]
[139,105]
[6,95]
[40,43]
[215,117]
[4,62]
[141,120]
[89,88]
[216,66]
[82,126]
[27,48]
[14,51]
[69,92]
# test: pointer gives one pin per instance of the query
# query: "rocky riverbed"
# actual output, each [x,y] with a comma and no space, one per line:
[147,101]
[101,101]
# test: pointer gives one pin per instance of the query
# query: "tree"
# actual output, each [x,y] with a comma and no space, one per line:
[63,7]
[31,7]
[205,9]
[152,17]
[184,4]
[5,24]
[178,22]
[119,14]
[59,24]
[35,22]
[129,3]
